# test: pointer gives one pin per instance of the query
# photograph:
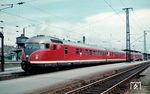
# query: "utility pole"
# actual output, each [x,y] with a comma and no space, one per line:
[128,48]
[23,31]
[145,48]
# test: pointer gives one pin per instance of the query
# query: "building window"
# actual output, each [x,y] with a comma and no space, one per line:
[66,50]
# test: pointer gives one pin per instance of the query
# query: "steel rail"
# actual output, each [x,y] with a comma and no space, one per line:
[98,86]
[111,88]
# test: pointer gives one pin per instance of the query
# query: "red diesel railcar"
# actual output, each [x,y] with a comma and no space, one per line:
[45,51]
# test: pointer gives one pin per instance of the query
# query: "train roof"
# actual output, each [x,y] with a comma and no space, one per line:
[133,51]
[48,39]
[39,39]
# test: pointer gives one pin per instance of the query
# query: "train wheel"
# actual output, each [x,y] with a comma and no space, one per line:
[26,66]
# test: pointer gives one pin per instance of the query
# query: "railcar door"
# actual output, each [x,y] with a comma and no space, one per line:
[65,52]
[56,53]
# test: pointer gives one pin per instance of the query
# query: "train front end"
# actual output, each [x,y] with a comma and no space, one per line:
[34,49]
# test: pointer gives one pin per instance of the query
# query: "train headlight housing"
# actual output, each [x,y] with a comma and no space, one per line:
[36,57]
[27,56]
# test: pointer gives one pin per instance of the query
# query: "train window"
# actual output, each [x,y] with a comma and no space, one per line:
[96,52]
[86,52]
[47,46]
[66,50]
[77,51]
[106,53]
[44,46]
[54,47]
[90,52]
[110,53]
[32,46]
[99,53]
[80,50]
[93,52]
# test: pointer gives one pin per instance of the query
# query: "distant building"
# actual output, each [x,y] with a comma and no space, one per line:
[8,50]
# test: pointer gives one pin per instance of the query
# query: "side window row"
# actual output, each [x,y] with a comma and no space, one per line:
[87,52]
[116,54]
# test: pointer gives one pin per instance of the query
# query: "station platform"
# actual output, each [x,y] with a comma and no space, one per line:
[11,70]
[14,66]
[35,83]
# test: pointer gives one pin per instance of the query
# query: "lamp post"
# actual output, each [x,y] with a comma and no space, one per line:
[2,49]
[24,29]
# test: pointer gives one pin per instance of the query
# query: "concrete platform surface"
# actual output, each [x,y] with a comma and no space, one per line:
[11,70]
[32,83]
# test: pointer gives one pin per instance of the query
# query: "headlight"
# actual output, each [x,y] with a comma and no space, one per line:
[36,57]
[27,56]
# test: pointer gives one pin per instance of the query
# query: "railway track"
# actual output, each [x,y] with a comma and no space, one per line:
[107,85]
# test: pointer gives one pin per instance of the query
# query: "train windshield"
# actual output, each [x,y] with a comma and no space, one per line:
[32,46]
[36,46]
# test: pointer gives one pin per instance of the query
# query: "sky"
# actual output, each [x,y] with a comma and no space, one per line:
[102,22]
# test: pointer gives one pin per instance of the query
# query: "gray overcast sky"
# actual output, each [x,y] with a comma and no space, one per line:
[101,21]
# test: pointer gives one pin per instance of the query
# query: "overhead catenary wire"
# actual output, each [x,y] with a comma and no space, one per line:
[44,11]
[122,3]
[135,18]
[118,13]
[138,22]
[137,39]
[114,10]
[80,27]
[31,20]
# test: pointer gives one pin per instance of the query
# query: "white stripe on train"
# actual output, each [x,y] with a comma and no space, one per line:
[73,61]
